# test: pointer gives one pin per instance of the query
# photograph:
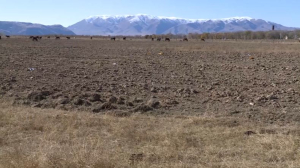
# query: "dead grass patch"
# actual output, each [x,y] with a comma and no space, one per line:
[33,137]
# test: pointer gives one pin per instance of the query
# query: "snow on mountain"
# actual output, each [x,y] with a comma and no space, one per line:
[144,17]
[142,24]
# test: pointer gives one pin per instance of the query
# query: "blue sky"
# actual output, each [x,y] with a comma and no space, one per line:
[67,12]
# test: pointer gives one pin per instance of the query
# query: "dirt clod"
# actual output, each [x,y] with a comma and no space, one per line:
[95,97]
[143,108]
[129,104]
[63,101]
[112,99]
[78,102]
[153,103]
[38,95]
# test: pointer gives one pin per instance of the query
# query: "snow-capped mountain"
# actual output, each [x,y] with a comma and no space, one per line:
[142,24]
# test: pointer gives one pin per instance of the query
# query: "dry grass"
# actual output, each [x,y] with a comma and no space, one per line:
[49,138]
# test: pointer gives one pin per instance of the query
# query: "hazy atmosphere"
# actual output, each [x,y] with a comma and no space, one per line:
[68,12]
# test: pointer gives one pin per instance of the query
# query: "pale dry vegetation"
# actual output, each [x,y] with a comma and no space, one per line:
[32,137]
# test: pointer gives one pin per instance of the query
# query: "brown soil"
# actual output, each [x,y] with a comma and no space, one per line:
[258,80]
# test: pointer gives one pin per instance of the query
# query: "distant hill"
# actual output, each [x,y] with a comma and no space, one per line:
[146,24]
[22,28]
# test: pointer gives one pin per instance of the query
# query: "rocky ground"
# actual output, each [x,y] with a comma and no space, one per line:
[258,80]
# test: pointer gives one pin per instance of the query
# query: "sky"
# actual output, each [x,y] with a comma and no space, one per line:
[68,12]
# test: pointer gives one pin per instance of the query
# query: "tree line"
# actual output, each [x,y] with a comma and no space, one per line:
[245,35]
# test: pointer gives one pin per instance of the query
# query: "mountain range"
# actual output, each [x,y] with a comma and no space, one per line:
[146,24]
[141,24]
[22,28]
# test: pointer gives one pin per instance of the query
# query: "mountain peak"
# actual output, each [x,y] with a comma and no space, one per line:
[139,17]
[142,24]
